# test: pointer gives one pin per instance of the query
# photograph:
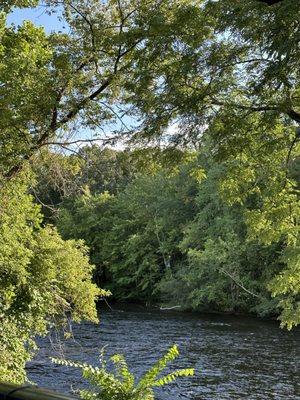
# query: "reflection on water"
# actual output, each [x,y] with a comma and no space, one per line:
[234,357]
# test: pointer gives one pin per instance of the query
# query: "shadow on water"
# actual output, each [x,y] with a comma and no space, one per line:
[234,357]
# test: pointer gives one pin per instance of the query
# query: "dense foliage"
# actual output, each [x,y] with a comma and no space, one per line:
[170,237]
[44,280]
[218,225]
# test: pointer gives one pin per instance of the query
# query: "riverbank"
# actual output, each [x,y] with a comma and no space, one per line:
[117,305]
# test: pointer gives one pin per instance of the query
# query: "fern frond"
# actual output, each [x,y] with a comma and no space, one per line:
[123,370]
[67,363]
[88,395]
[165,380]
[151,375]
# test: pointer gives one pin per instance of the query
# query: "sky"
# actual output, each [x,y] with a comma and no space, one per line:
[38,16]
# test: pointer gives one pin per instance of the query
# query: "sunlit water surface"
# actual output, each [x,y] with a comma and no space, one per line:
[234,357]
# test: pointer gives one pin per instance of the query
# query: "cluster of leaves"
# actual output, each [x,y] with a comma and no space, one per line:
[44,280]
[133,235]
[120,384]
[173,235]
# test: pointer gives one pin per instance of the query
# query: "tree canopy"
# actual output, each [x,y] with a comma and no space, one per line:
[206,79]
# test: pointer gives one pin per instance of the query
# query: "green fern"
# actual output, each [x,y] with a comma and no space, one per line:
[167,379]
[120,384]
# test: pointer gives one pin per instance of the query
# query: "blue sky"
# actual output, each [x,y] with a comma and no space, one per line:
[38,16]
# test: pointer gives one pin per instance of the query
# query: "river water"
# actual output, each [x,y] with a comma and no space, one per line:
[234,357]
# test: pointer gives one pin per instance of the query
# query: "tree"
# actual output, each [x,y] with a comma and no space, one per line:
[133,236]
[170,236]
[238,89]
[52,81]
[222,271]
[43,279]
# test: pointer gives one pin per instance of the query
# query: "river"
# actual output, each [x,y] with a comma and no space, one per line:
[234,357]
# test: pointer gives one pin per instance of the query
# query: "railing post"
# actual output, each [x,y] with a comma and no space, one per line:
[9,391]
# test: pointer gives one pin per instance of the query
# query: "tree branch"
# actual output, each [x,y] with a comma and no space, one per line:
[294,115]
[69,143]
[238,283]
[245,107]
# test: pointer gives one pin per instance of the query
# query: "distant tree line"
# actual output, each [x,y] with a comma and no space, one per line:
[160,231]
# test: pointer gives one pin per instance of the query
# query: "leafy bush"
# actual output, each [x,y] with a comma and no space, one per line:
[120,383]
[44,280]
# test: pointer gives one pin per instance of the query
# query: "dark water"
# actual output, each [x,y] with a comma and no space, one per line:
[234,357]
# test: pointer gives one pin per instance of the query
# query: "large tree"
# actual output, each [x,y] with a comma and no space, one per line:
[53,81]
[224,70]
[239,89]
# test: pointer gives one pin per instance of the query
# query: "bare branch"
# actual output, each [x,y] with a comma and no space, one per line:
[253,107]
[69,143]
[91,28]
[50,207]
[238,283]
